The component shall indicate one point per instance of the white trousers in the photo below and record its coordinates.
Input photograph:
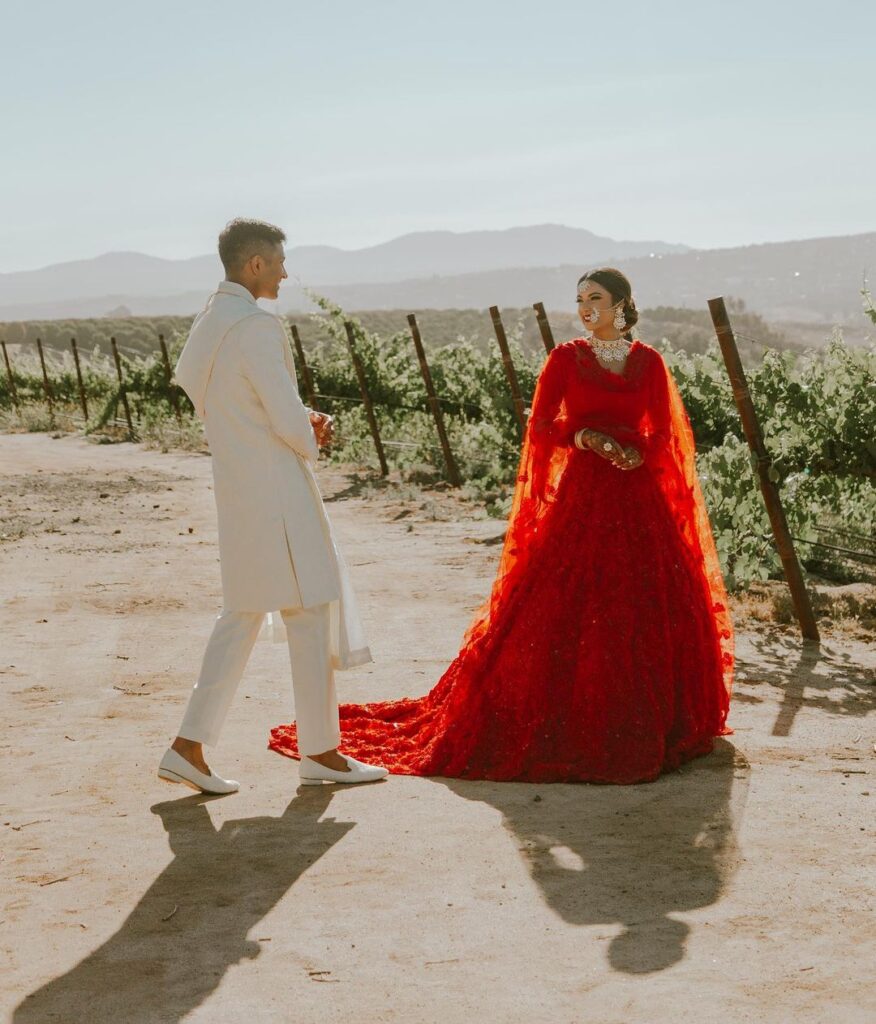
(313, 681)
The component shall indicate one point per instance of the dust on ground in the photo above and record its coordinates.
(738, 888)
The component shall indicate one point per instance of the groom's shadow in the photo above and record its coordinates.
(192, 923)
(629, 855)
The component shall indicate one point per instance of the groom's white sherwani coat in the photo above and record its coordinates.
(276, 545)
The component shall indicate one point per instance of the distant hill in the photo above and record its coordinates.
(93, 287)
(813, 281)
(817, 280)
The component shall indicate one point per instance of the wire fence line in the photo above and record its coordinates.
(123, 393)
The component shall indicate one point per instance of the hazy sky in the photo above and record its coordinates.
(147, 126)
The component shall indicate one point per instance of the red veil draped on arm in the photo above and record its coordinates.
(671, 451)
(666, 441)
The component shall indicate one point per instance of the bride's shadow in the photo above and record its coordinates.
(629, 855)
(191, 925)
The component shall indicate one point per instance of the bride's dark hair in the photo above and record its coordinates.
(618, 287)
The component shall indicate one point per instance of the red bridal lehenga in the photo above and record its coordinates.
(605, 650)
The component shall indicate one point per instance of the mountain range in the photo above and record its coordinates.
(816, 280)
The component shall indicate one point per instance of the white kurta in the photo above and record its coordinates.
(276, 546)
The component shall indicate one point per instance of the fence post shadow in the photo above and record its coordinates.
(809, 675)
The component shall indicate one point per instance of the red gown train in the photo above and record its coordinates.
(605, 650)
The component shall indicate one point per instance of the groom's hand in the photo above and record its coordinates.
(323, 427)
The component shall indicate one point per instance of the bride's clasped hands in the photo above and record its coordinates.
(608, 448)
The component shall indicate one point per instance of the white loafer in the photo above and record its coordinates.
(312, 773)
(175, 768)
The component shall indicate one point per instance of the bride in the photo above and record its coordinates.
(604, 652)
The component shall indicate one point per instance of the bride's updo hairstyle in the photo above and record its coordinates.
(618, 287)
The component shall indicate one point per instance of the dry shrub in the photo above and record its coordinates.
(848, 608)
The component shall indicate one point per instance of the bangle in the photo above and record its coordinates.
(581, 436)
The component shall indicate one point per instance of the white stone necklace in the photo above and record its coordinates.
(613, 350)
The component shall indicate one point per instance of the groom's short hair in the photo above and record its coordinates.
(242, 239)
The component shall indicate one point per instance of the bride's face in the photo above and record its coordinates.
(595, 305)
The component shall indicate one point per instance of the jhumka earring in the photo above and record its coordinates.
(620, 321)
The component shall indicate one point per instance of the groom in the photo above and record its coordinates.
(276, 549)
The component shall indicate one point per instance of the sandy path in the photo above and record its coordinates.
(735, 890)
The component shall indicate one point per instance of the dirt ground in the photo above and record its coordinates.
(738, 889)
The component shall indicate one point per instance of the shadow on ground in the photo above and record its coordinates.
(164, 962)
(630, 855)
(809, 675)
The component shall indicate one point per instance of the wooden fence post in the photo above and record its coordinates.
(168, 376)
(547, 335)
(305, 369)
(82, 400)
(122, 392)
(46, 385)
(754, 436)
(366, 397)
(452, 470)
(510, 372)
(9, 374)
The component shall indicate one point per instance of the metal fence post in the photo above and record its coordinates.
(46, 385)
(9, 374)
(82, 399)
(310, 390)
(122, 391)
(510, 372)
(544, 327)
(366, 397)
(168, 374)
(452, 470)
(754, 436)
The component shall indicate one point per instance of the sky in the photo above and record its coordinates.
(147, 126)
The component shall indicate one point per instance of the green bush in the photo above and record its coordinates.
(817, 410)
